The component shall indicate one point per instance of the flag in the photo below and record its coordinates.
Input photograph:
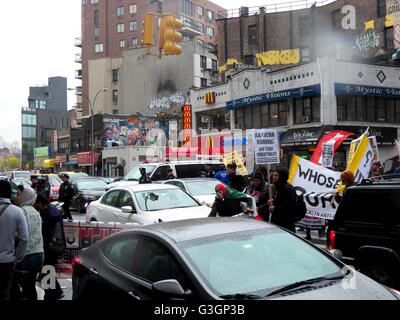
(361, 162)
(335, 137)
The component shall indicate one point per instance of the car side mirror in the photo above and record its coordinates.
(128, 209)
(170, 287)
(336, 253)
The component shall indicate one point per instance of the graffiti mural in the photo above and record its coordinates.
(165, 102)
(132, 131)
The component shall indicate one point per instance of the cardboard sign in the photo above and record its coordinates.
(234, 157)
(266, 146)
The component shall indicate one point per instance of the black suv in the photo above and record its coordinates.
(366, 230)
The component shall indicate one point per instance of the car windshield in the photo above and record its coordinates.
(134, 174)
(92, 185)
(164, 199)
(205, 187)
(262, 260)
(22, 175)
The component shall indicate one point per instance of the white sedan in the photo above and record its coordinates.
(145, 204)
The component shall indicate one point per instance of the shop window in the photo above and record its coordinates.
(239, 118)
(265, 115)
(360, 106)
(298, 110)
(283, 113)
(390, 110)
(371, 109)
(380, 110)
(316, 109)
(398, 110)
(274, 114)
(248, 117)
(351, 109)
(257, 117)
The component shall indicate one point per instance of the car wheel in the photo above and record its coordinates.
(382, 274)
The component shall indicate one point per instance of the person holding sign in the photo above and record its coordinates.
(228, 202)
(283, 204)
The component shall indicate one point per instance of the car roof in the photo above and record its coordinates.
(192, 179)
(185, 230)
(147, 187)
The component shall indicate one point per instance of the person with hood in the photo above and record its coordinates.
(283, 203)
(28, 269)
(144, 177)
(228, 202)
(259, 191)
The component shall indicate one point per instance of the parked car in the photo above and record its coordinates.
(74, 175)
(366, 229)
(203, 189)
(87, 189)
(145, 204)
(22, 177)
(158, 171)
(215, 259)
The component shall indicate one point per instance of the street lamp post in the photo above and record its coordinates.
(92, 116)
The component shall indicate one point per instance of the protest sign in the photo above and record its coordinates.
(374, 147)
(327, 154)
(228, 158)
(266, 146)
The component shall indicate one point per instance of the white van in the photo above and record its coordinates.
(158, 171)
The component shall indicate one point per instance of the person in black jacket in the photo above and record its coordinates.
(50, 216)
(228, 202)
(144, 178)
(65, 195)
(236, 181)
(43, 186)
(259, 191)
(283, 204)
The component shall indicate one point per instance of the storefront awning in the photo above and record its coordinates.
(302, 137)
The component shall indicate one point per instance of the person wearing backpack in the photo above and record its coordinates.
(53, 239)
(283, 203)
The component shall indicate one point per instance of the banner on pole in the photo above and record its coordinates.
(266, 146)
(234, 157)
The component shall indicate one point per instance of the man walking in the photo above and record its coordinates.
(12, 223)
(65, 195)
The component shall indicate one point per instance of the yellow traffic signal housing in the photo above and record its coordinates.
(148, 31)
(170, 35)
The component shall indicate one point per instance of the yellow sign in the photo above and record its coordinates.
(231, 157)
(276, 57)
(230, 62)
(369, 25)
(389, 22)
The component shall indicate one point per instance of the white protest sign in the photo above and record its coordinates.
(374, 146)
(328, 150)
(266, 146)
(317, 185)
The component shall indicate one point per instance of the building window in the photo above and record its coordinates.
(132, 25)
(115, 75)
(304, 26)
(253, 38)
(307, 110)
(199, 27)
(249, 60)
(134, 42)
(203, 82)
(94, 1)
(120, 28)
(305, 55)
(98, 47)
(96, 32)
(200, 11)
(210, 15)
(389, 41)
(187, 22)
(115, 97)
(210, 32)
(337, 19)
(122, 43)
(203, 62)
(187, 7)
(96, 17)
(381, 8)
(371, 109)
(214, 65)
(133, 8)
(120, 11)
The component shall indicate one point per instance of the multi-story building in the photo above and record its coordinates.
(111, 27)
(46, 113)
(362, 33)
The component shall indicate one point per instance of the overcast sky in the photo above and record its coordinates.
(37, 42)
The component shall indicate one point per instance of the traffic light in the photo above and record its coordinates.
(170, 35)
(147, 33)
